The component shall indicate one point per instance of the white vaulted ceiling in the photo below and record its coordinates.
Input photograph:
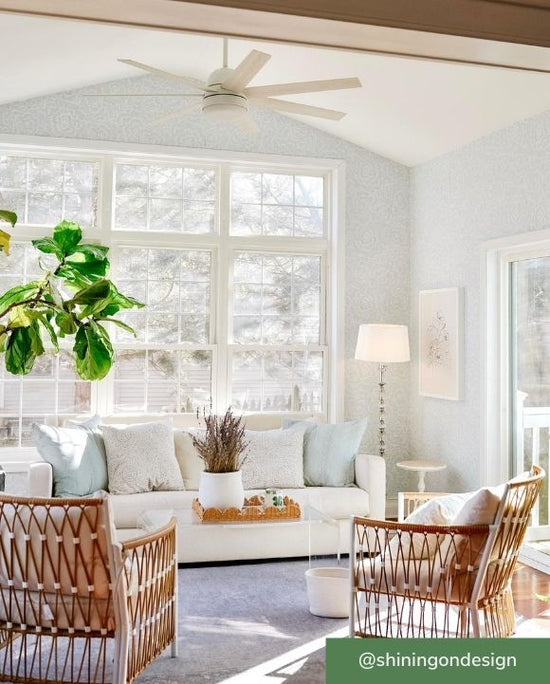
(409, 110)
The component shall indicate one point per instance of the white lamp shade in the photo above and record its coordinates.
(383, 343)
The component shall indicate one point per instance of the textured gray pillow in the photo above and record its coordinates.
(141, 458)
(274, 458)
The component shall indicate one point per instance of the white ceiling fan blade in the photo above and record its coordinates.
(303, 87)
(246, 71)
(179, 112)
(143, 95)
(297, 108)
(187, 80)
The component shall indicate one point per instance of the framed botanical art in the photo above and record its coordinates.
(440, 343)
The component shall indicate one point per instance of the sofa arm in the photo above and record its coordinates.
(40, 482)
(370, 475)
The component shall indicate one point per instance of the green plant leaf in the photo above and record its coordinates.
(36, 339)
(5, 242)
(66, 323)
(94, 352)
(120, 301)
(42, 318)
(47, 246)
(11, 218)
(89, 271)
(18, 294)
(66, 236)
(95, 252)
(20, 351)
(120, 324)
(97, 292)
(21, 317)
(8, 217)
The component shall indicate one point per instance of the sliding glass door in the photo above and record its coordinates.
(529, 378)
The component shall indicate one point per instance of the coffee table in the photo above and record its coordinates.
(311, 516)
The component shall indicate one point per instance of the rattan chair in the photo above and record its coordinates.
(412, 580)
(74, 605)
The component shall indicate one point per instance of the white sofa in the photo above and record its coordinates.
(213, 542)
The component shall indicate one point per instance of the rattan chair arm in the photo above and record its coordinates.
(149, 538)
(150, 572)
(392, 526)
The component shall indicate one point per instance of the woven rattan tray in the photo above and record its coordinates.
(252, 511)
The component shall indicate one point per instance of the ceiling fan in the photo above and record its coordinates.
(226, 95)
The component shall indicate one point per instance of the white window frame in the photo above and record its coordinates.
(331, 246)
(495, 342)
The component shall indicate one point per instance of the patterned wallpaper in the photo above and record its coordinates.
(377, 212)
(494, 187)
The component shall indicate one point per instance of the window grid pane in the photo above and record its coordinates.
(44, 191)
(276, 299)
(277, 381)
(52, 387)
(277, 204)
(165, 198)
(175, 285)
(162, 381)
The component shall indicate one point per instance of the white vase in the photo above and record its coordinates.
(221, 490)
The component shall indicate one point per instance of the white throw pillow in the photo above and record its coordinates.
(274, 458)
(438, 511)
(441, 510)
(190, 463)
(480, 507)
(141, 458)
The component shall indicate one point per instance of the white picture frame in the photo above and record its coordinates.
(440, 343)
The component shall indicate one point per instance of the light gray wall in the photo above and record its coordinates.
(496, 186)
(377, 212)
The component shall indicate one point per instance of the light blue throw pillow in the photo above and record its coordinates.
(77, 457)
(329, 451)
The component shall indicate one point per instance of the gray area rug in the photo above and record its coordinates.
(236, 618)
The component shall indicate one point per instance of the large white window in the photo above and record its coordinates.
(235, 260)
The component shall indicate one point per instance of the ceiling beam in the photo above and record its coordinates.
(209, 17)
(519, 21)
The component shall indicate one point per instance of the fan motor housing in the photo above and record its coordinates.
(224, 105)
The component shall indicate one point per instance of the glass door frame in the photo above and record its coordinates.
(497, 445)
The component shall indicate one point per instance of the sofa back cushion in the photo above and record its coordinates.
(273, 458)
(76, 455)
(329, 451)
(141, 458)
(190, 463)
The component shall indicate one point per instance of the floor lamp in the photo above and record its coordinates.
(383, 344)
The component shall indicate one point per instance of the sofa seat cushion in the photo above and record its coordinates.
(336, 502)
(128, 507)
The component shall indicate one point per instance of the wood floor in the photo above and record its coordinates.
(533, 614)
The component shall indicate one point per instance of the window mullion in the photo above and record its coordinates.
(222, 295)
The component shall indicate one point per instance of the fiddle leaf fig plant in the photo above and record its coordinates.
(11, 218)
(75, 298)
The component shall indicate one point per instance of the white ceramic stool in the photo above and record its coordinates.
(421, 467)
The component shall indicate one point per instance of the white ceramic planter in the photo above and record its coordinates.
(221, 490)
(328, 591)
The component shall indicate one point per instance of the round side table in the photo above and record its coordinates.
(421, 467)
